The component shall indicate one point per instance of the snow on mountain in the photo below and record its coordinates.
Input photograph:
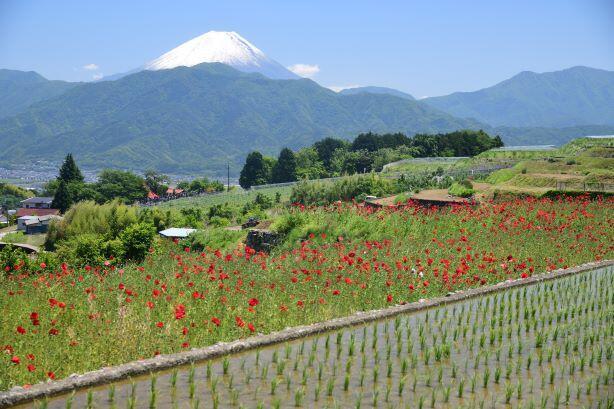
(222, 47)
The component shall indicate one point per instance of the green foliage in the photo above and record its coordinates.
(156, 181)
(91, 233)
(61, 199)
(202, 185)
(371, 151)
(284, 169)
(344, 189)
(225, 211)
(11, 256)
(122, 185)
(15, 260)
(254, 171)
(326, 147)
(462, 189)
(84, 249)
(15, 237)
(308, 164)
(346, 162)
(213, 238)
(137, 239)
(11, 195)
(69, 171)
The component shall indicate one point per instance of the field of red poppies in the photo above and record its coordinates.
(335, 261)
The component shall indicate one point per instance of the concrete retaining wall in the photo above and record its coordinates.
(108, 375)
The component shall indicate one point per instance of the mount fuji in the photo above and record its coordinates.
(226, 47)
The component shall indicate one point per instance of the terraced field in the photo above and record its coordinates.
(548, 345)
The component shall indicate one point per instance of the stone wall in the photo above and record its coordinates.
(262, 240)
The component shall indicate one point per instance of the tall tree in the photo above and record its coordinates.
(156, 182)
(326, 147)
(285, 168)
(122, 185)
(62, 199)
(69, 171)
(254, 171)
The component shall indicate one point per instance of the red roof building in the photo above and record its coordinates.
(152, 196)
(173, 191)
(36, 212)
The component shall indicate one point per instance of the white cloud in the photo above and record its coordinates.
(97, 76)
(338, 88)
(305, 70)
(90, 67)
(424, 96)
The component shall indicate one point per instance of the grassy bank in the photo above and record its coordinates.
(335, 261)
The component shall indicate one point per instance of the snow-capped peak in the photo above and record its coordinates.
(222, 47)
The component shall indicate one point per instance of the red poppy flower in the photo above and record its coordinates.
(160, 324)
(251, 327)
(216, 321)
(180, 312)
(15, 360)
(31, 368)
(21, 330)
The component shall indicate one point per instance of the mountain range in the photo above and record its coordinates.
(20, 89)
(376, 90)
(197, 118)
(571, 97)
(214, 98)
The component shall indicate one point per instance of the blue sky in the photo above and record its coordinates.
(425, 48)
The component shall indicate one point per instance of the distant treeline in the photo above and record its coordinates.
(70, 188)
(369, 151)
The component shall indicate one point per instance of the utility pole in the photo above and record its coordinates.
(228, 180)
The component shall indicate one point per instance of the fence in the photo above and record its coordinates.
(586, 187)
(442, 159)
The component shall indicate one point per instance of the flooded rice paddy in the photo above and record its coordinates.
(548, 345)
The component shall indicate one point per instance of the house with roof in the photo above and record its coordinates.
(176, 233)
(35, 224)
(174, 191)
(37, 206)
(37, 203)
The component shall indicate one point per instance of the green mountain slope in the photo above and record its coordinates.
(575, 96)
(548, 136)
(376, 90)
(19, 90)
(197, 119)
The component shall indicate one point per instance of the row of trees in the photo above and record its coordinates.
(70, 186)
(112, 184)
(368, 151)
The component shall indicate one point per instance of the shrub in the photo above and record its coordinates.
(137, 240)
(221, 210)
(212, 238)
(16, 237)
(84, 249)
(11, 257)
(461, 189)
(344, 189)
(218, 221)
